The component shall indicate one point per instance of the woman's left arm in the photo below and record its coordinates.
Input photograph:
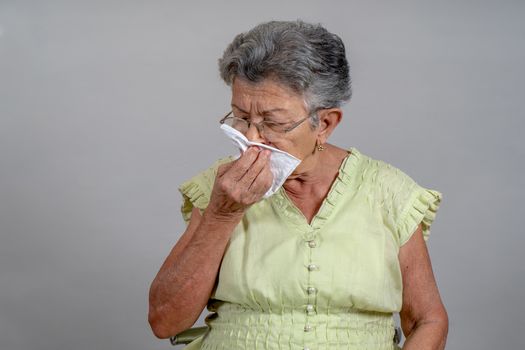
(424, 319)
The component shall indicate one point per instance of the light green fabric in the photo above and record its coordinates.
(348, 254)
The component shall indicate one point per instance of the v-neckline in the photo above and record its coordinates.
(295, 215)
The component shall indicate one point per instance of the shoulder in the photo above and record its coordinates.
(403, 201)
(382, 174)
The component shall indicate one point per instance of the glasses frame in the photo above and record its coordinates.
(260, 127)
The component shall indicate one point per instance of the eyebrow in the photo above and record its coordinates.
(263, 112)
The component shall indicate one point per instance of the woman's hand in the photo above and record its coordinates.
(240, 183)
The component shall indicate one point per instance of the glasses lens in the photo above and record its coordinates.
(269, 131)
(237, 123)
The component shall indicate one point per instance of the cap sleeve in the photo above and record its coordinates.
(416, 205)
(421, 208)
(196, 191)
(406, 204)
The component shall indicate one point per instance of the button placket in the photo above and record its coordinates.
(311, 242)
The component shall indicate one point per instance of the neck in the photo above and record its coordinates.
(316, 173)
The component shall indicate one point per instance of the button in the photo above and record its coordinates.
(309, 308)
(312, 244)
(308, 328)
(311, 290)
(312, 267)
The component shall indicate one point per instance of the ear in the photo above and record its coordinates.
(328, 121)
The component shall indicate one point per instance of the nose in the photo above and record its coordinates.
(254, 135)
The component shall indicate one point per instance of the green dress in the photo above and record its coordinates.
(331, 284)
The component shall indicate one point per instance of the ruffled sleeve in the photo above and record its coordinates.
(421, 207)
(407, 203)
(196, 191)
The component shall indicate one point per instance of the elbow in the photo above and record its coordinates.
(168, 319)
(439, 320)
(158, 326)
(440, 323)
(444, 321)
(436, 319)
(158, 330)
(163, 328)
(157, 316)
(441, 317)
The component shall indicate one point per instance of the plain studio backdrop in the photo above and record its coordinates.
(107, 106)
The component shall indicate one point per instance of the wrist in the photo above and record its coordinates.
(216, 216)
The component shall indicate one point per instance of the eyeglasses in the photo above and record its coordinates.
(268, 129)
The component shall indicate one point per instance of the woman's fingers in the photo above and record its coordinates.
(259, 187)
(265, 178)
(251, 174)
(241, 165)
(242, 182)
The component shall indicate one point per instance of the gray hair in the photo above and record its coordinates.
(304, 57)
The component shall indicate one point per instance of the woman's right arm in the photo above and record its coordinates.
(185, 281)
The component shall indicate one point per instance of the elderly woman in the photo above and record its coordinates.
(325, 261)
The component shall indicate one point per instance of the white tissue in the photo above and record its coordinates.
(281, 163)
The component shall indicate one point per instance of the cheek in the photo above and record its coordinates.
(300, 147)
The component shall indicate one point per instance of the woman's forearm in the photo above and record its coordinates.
(428, 335)
(185, 281)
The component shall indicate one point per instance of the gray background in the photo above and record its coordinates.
(107, 106)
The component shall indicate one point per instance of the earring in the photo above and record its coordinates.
(320, 148)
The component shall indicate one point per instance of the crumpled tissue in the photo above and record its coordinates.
(282, 164)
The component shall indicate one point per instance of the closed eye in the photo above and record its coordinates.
(267, 122)
(243, 118)
(272, 123)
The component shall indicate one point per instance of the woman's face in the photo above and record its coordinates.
(269, 100)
